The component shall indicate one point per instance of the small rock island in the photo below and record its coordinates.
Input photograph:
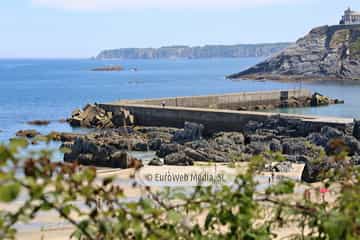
(108, 69)
(326, 53)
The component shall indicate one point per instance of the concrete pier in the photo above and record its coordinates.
(232, 101)
(215, 111)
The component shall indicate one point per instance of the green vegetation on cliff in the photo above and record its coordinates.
(208, 51)
(326, 53)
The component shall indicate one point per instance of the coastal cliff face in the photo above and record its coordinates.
(326, 53)
(208, 51)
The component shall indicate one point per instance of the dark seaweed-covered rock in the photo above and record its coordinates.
(39, 122)
(166, 149)
(179, 159)
(318, 139)
(317, 170)
(279, 167)
(191, 132)
(63, 136)
(156, 162)
(155, 144)
(356, 129)
(31, 133)
(295, 146)
(275, 145)
(347, 144)
(256, 148)
(104, 149)
(196, 155)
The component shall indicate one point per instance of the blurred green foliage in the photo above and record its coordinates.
(233, 211)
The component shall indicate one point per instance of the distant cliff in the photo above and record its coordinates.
(326, 53)
(208, 51)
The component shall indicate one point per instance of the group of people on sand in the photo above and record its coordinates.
(321, 192)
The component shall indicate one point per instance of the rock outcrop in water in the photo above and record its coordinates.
(208, 51)
(108, 69)
(326, 53)
(92, 116)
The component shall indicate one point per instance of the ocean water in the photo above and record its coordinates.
(51, 89)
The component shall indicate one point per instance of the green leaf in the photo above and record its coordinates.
(174, 216)
(67, 209)
(335, 226)
(208, 220)
(16, 143)
(90, 174)
(283, 187)
(9, 192)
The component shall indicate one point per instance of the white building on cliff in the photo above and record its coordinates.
(350, 17)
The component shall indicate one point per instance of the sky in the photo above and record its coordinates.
(82, 28)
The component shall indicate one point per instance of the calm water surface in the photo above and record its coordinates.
(51, 89)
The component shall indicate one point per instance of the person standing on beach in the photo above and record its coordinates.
(163, 103)
(272, 176)
(323, 191)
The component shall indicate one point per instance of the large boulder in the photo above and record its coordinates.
(318, 170)
(104, 149)
(31, 133)
(123, 160)
(319, 100)
(330, 132)
(356, 129)
(346, 144)
(156, 162)
(257, 148)
(191, 132)
(227, 142)
(93, 116)
(166, 149)
(179, 159)
(275, 145)
(284, 166)
(196, 155)
(295, 146)
(63, 136)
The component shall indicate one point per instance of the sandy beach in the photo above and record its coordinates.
(50, 226)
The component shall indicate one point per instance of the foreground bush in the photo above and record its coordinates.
(236, 211)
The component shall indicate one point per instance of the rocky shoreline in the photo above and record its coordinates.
(326, 53)
(281, 141)
(285, 138)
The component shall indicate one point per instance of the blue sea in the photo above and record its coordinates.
(51, 89)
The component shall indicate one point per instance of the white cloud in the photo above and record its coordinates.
(141, 4)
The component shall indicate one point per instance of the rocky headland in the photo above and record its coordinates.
(326, 53)
(208, 51)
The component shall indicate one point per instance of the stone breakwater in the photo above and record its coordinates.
(243, 101)
(183, 135)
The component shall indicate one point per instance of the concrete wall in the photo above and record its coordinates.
(202, 110)
(216, 120)
(232, 101)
